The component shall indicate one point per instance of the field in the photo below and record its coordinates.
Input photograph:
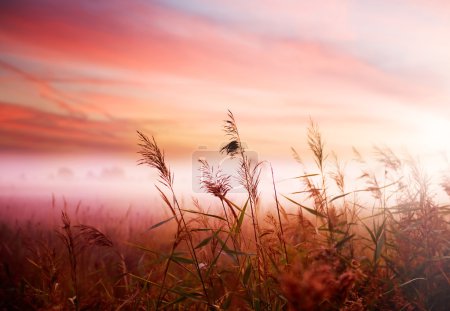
(384, 245)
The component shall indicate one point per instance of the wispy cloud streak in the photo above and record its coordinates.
(90, 73)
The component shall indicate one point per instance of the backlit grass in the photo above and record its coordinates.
(320, 248)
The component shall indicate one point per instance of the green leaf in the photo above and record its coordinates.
(204, 242)
(257, 304)
(327, 229)
(300, 192)
(372, 236)
(142, 248)
(191, 295)
(340, 196)
(204, 214)
(379, 248)
(181, 259)
(179, 299)
(266, 232)
(305, 176)
(230, 203)
(159, 224)
(341, 243)
(380, 229)
(216, 257)
(247, 273)
(370, 216)
(312, 211)
(235, 252)
(200, 229)
(227, 302)
(230, 252)
(238, 225)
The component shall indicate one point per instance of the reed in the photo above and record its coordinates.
(321, 247)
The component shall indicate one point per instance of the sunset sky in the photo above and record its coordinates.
(78, 78)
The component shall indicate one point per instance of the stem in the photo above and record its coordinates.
(191, 246)
(283, 242)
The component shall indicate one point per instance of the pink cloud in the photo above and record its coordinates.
(190, 67)
(188, 45)
(23, 128)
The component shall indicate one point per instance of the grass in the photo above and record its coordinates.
(332, 253)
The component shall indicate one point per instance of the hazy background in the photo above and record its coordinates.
(78, 78)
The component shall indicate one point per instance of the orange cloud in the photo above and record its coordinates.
(113, 67)
(30, 129)
(191, 46)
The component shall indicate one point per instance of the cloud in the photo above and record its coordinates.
(288, 18)
(182, 40)
(106, 68)
(30, 129)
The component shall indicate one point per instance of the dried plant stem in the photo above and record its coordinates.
(166, 268)
(191, 246)
(248, 180)
(69, 241)
(154, 157)
(282, 239)
(316, 144)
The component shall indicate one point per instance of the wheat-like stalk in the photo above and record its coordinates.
(153, 156)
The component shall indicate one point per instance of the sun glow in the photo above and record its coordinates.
(433, 134)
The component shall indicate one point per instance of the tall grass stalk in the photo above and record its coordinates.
(69, 241)
(383, 245)
(154, 157)
(249, 178)
(281, 234)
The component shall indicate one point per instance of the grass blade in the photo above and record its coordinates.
(308, 209)
(160, 224)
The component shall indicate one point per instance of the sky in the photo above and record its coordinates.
(78, 78)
